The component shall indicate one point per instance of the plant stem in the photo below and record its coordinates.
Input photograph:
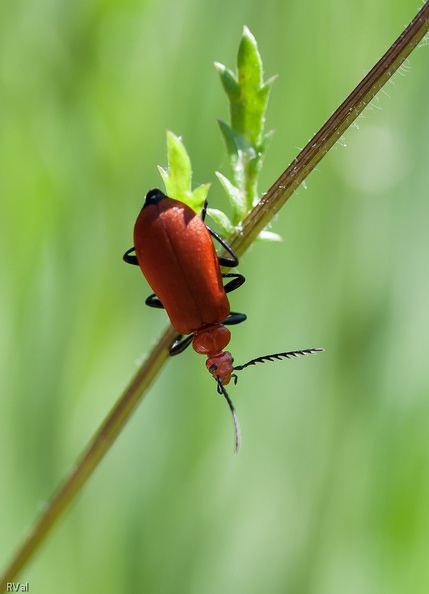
(255, 222)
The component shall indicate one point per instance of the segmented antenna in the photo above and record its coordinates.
(222, 391)
(279, 356)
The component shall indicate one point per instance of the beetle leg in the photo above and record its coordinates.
(229, 262)
(130, 259)
(180, 344)
(204, 211)
(234, 318)
(153, 301)
(238, 280)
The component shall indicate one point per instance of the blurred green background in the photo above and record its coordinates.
(330, 492)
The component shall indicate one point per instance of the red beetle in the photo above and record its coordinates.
(175, 251)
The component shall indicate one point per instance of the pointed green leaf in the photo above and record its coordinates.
(249, 65)
(236, 198)
(229, 80)
(229, 137)
(164, 175)
(266, 140)
(198, 196)
(247, 112)
(179, 168)
(269, 236)
(178, 176)
(222, 220)
(245, 139)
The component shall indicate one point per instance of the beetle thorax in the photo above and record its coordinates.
(211, 340)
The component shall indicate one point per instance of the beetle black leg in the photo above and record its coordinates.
(180, 344)
(153, 301)
(229, 262)
(234, 318)
(204, 211)
(238, 280)
(130, 259)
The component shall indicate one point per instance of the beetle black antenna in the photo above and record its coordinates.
(279, 356)
(222, 391)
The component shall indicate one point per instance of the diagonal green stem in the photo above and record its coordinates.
(255, 221)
